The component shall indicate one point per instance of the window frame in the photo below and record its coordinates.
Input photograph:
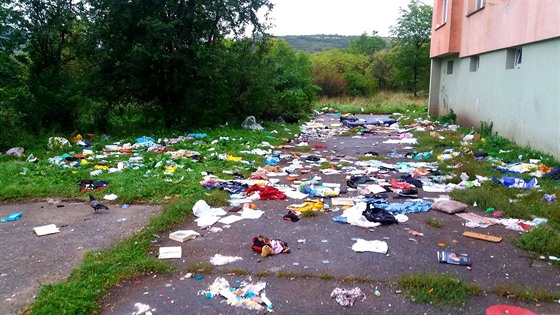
(449, 68)
(474, 6)
(474, 63)
(518, 58)
(444, 6)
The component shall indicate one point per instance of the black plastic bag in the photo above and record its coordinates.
(379, 215)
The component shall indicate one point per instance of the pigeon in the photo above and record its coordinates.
(96, 205)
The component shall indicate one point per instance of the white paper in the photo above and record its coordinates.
(375, 246)
(46, 229)
(230, 219)
(251, 214)
(183, 235)
(170, 252)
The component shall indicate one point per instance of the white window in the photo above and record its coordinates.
(518, 58)
(444, 12)
(514, 58)
(479, 4)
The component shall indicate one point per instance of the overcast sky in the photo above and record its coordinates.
(349, 17)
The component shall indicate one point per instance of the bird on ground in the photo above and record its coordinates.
(96, 205)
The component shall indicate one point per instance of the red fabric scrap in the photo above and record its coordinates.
(266, 192)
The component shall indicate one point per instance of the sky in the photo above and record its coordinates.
(348, 17)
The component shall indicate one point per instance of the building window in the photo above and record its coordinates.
(479, 4)
(518, 58)
(475, 5)
(475, 63)
(514, 58)
(443, 12)
(450, 67)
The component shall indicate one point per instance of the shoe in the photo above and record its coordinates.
(351, 184)
(409, 192)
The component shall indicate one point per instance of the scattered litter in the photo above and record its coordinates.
(342, 201)
(267, 247)
(46, 229)
(220, 260)
(183, 235)
(251, 123)
(12, 217)
(143, 309)
(513, 182)
(453, 258)
(347, 298)
(484, 237)
(449, 206)
(249, 295)
(110, 197)
(375, 246)
(170, 252)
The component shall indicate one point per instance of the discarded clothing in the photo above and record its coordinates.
(475, 220)
(268, 247)
(266, 192)
(88, 184)
(347, 298)
(513, 182)
(407, 207)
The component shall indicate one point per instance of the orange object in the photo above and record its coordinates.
(125, 151)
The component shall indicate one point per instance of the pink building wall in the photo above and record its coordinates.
(500, 24)
(446, 38)
(506, 23)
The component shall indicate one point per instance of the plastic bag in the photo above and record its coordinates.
(251, 123)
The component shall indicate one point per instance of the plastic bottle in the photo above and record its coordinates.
(12, 217)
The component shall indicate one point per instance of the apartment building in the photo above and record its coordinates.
(498, 61)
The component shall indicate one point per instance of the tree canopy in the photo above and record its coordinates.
(412, 45)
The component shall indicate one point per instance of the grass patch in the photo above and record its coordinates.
(261, 274)
(541, 240)
(100, 270)
(325, 276)
(237, 271)
(217, 198)
(434, 223)
(381, 103)
(201, 268)
(439, 289)
(310, 213)
(519, 292)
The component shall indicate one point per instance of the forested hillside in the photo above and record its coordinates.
(318, 43)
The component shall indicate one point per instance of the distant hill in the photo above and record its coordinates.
(318, 43)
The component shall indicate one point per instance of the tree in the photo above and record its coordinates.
(412, 45)
(382, 70)
(169, 53)
(366, 45)
(340, 73)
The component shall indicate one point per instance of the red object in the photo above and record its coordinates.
(400, 185)
(508, 310)
(267, 192)
(318, 146)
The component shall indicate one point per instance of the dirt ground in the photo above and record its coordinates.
(28, 260)
(322, 247)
